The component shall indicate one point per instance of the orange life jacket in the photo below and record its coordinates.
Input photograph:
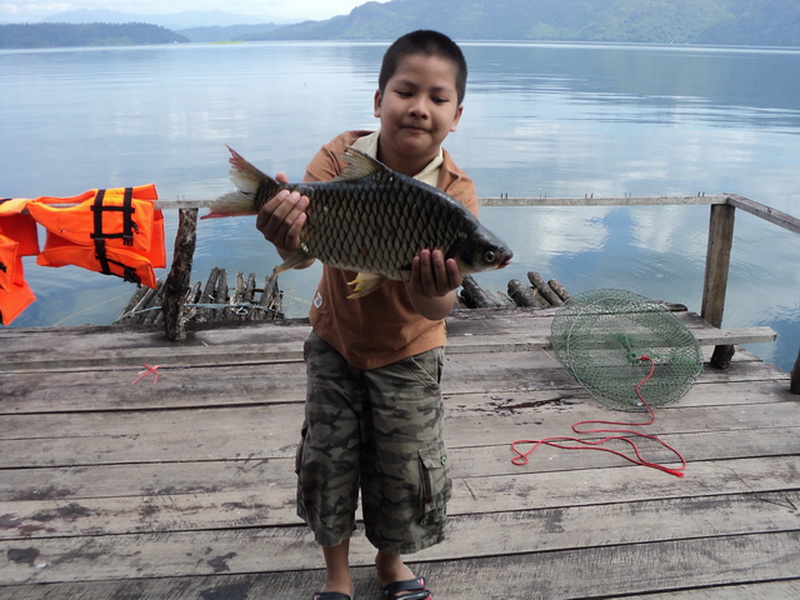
(15, 293)
(18, 238)
(116, 232)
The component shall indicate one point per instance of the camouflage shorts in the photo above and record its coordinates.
(381, 431)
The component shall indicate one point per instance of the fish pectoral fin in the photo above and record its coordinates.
(290, 263)
(359, 165)
(365, 283)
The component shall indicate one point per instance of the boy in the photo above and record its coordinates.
(374, 406)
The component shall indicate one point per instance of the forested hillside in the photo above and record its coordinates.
(719, 22)
(54, 35)
(748, 22)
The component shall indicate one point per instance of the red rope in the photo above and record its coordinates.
(555, 442)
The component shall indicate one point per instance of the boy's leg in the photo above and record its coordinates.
(337, 568)
(328, 459)
(405, 482)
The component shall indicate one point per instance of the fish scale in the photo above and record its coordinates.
(371, 220)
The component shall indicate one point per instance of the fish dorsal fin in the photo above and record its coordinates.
(359, 165)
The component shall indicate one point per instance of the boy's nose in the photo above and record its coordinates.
(419, 109)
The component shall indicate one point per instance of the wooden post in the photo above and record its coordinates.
(718, 260)
(794, 385)
(545, 290)
(524, 295)
(475, 296)
(179, 276)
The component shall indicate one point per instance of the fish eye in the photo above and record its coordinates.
(489, 256)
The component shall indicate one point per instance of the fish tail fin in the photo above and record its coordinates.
(231, 205)
(249, 181)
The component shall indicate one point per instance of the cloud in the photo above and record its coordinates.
(270, 10)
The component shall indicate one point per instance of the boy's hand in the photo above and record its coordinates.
(433, 284)
(282, 217)
(433, 276)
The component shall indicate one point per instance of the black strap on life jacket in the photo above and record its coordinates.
(100, 237)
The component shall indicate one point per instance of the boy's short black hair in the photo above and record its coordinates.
(427, 43)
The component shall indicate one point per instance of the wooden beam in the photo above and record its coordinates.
(767, 213)
(591, 200)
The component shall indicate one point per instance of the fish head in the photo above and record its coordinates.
(480, 251)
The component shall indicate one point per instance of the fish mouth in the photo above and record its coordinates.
(505, 260)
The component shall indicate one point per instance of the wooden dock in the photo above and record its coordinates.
(184, 487)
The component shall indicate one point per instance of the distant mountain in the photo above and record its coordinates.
(719, 22)
(180, 20)
(58, 35)
(732, 22)
(229, 33)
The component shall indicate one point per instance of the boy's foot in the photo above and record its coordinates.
(397, 581)
(411, 589)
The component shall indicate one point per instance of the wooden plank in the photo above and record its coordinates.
(288, 548)
(291, 351)
(260, 505)
(487, 468)
(301, 584)
(276, 340)
(767, 590)
(560, 407)
(76, 438)
(100, 388)
(542, 382)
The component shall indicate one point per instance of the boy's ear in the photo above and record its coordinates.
(377, 104)
(457, 118)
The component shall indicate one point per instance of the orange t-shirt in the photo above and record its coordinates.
(381, 327)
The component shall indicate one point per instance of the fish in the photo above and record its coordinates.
(370, 220)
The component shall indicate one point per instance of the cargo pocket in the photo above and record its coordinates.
(435, 483)
(426, 369)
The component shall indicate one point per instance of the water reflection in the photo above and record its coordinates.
(546, 119)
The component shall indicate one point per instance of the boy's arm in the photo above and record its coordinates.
(433, 284)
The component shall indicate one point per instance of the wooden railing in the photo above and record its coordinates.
(720, 243)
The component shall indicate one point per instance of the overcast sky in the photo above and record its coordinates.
(269, 10)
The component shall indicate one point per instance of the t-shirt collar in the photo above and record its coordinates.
(368, 144)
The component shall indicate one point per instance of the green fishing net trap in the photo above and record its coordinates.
(600, 337)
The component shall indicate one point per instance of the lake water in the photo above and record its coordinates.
(539, 119)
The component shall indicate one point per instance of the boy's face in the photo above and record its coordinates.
(418, 108)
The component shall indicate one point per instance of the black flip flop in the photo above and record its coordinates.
(412, 589)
